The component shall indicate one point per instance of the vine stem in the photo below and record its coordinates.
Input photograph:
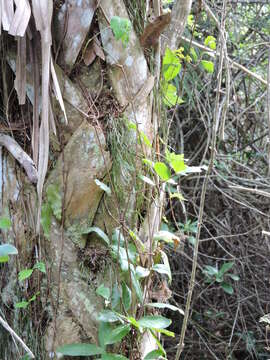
(180, 345)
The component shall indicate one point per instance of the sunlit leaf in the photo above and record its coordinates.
(166, 306)
(4, 259)
(170, 65)
(162, 170)
(177, 195)
(154, 321)
(103, 187)
(80, 350)
(170, 96)
(208, 66)
(5, 223)
(142, 272)
(40, 266)
(21, 305)
(211, 42)
(165, 332)
(121, 28)
(25, 274)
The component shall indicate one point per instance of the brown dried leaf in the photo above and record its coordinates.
(98, 49)
(153, 30)
(21, 18)
(90, 54)
(43, 15)
(20, 81)
(57, 91)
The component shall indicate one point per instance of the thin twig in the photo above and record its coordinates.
(12, 333)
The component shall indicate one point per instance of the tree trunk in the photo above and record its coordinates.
(89, 148)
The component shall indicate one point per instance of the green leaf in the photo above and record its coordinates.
(136, 286)
(104, 292)
(227, 288)
(141, 272)
(210, 270)
(116, 296)
(117, 237)
(55, 200)
(46, 219)
(40, 266)
(170, 65)
(165, 332)
(121, 28)
(104, 331)
(80, 350)
(99, 232)
(134, 322)
(154, 321)
(162, 170)
(177, 195)
(226, 267)
(126, 296)
(110, 356)
(117, 334)
(166, 236)
(166, 306)
(193, 54)
(7, 249)
(170, 96)
(33, 298)
(147, 180)
(25, 274)
(5, 223)
(234, 277)
(155, 354)
(176, 161)
(4, 259)
(21, 305)
(167, 264)
(161, 269)
(211, 42)
(108, 316)
(103, 187)
(148, 162)
(25, 357)
(208, 66)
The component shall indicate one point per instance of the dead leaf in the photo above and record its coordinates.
(98, 50)
(20, 80)
(7, 13)
(21, 18)
(90, 54)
